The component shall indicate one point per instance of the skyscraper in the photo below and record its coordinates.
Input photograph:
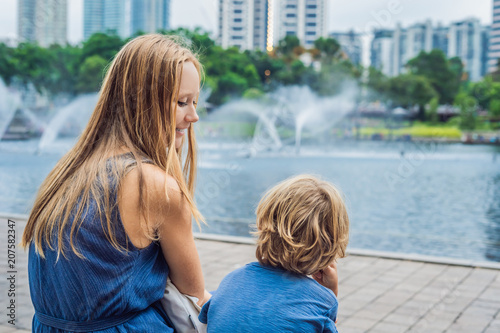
(245, 24)
(42, 21)
(108, 16)
(494, 55)
(351, 45)
(408, 43)
(305, 19)
(150, 15)
(382, 51)
(465, 43)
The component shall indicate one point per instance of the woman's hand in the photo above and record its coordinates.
(328, 278)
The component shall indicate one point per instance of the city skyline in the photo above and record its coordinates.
(375, 14)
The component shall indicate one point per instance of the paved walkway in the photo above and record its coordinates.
(376, 294)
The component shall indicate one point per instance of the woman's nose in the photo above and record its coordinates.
(192, 115)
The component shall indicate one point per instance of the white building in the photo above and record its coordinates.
(494, 47)
(408, 43)
(351, 45)
(43, 21)
(465, 42)
(108, 16)
(305, 19)
(382, 51)
(245, 24)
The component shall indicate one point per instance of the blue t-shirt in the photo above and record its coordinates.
(257, 298)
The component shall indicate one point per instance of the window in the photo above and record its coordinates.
(290, 33)
(237, 11)
(290, 15)
(237, 2)
(310, 33)
(291, 6)
(237, 20)
(311, 24)
(237, 28)
(311, 15)
(311, 6)
(237, 37)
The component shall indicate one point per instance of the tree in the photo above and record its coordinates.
(435, 67)
(91, 74)
(102, 45)
(33, 64)
(468, 106)
(433, 111)
(288, 46)
(7, 70)
(328, 49)
(408, 90)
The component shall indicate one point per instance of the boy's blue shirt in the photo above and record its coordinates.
(257, 298)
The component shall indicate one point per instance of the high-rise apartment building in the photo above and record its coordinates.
(351, 45)
(382, 51)
(150, 15)
(125, 17)
(494, 40)
(466, 39)
(465, 43)
(108, 16)
(245, 24)
(305, 19)
(408, 43)
(43, 21)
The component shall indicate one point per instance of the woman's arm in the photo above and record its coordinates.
(172, 220)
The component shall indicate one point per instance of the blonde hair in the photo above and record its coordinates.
(302, 225)
(136, 110)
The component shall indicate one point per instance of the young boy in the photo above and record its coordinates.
(302, 228)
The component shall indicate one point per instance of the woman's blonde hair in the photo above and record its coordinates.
(302, 225)
(136, 111)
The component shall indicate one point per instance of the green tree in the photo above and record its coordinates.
(433, 111)
(34, 64)
(436, 68)
(91, 74)
(494, 109)
(102, 45)
(328, 50)
(7, 70)
(408, 90)
(468, 106)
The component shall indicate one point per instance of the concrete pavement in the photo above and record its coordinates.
(377, 293)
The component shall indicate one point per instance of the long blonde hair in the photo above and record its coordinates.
(136, 109)
(302, 225)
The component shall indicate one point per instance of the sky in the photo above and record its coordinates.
(360, 15)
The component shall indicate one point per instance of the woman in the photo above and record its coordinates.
(117, 208)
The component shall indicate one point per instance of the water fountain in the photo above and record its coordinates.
(10, 101)
(290, 109)
(69, 120)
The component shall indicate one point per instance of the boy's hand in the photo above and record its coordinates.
(328, 278)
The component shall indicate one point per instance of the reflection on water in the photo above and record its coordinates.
(439, 200)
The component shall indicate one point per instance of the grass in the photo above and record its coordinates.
(416, 131)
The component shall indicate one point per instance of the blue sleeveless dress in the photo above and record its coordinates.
(108, 291)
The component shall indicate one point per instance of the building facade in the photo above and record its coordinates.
(150, 16)
(43, 21)
(494, 38)
(351, 44)
(245, 24)
(305, 19)
(107, 16)
(465, 43)
(125, 17)
(382, 50)
(466, 39)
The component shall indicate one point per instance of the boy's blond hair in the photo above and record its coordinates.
(302, 225)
